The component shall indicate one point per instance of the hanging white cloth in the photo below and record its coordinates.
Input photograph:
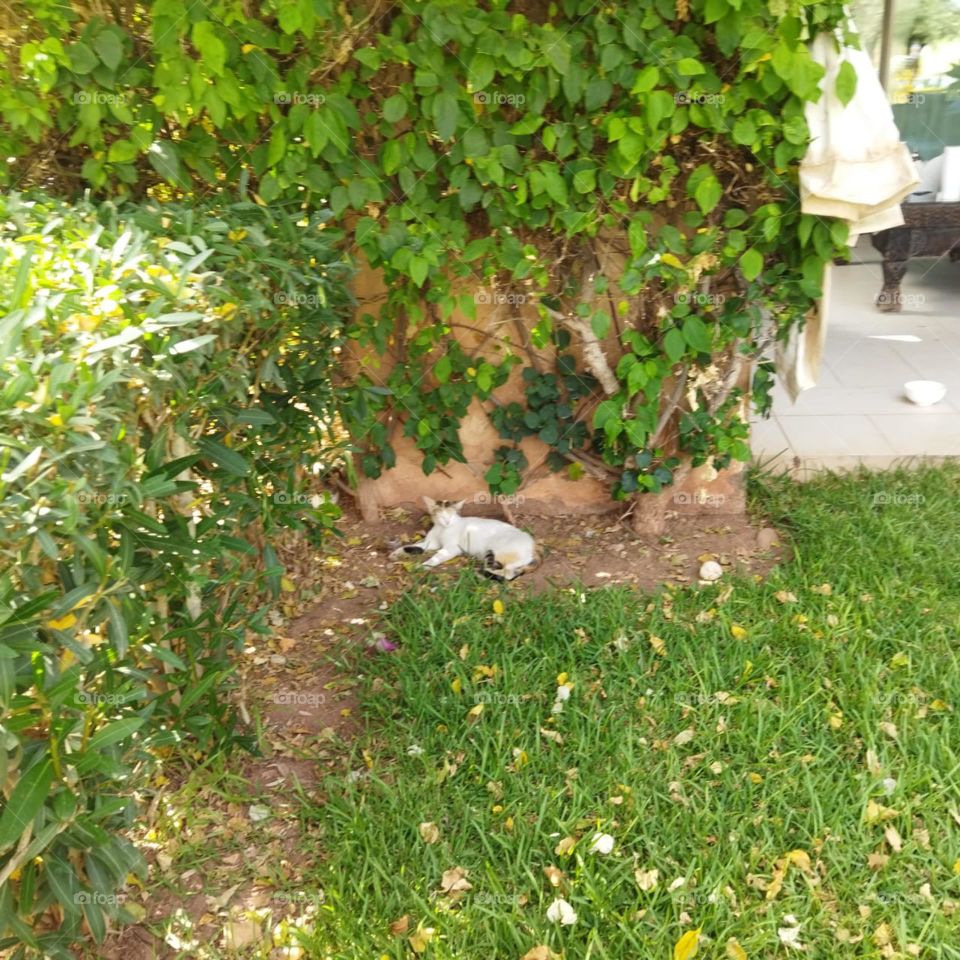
(856, 169)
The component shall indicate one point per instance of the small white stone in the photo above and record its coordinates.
(711, 570)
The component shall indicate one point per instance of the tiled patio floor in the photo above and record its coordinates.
(858, 413)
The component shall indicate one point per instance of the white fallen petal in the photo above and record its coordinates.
(602, 843)
(561, 912)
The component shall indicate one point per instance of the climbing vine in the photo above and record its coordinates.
(604, 194)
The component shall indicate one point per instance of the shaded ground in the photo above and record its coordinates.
(225, 842)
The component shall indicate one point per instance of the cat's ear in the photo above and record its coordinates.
(430, 504)
(458, 506)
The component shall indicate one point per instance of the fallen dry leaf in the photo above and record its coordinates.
(890, 729)
(883, 935)
(553, 874)
(647, 880)
(541, 952)
(893, 838)
(399, 927)
(241, 933)
(684, 737)
(455, 881)
(877, 861)
(790, 936)
(429, 832)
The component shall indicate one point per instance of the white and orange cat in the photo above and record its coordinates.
(505, 550)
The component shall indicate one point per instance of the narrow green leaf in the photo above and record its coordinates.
(28, 795)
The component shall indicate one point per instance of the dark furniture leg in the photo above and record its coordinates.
(889, 299)
(929, 230)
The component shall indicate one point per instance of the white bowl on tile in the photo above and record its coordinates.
(924, 393)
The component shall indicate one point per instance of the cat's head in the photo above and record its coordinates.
(443, 512)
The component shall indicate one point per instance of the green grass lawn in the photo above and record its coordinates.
(810, 711)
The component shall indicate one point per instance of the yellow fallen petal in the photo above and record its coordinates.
(456, 686)
(474, 712)
(498, 607)
(738, 632)
(659, 646)
(687, 945)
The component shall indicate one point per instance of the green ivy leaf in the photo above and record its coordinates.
(657, 107)
(207, 40)
(697, 334)
(585, 181)
(442, 369)
(394, 108)
(688, 67)
(557, 50)
(674, 344)
(446, 112)
(705, 188)
(480, 71)
(751, 263)
(82, 59)
(846, 85)
(109, 49)
(418, 270)
(646, 80)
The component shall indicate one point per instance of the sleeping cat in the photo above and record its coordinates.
(506, 551)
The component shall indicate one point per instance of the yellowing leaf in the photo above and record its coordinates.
(738, 632)
(565, 846)
(956, 867)
(735, 951)
(671, 260)
(899, 660)
(875, 812)
(756, 778)
(498, 607)
(64, 623)
(687, 945)
(419, 940)
(456, 686)
(473, 714)
(659, 647)
(801, 859)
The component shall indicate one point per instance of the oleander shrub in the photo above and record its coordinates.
(166, 409)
